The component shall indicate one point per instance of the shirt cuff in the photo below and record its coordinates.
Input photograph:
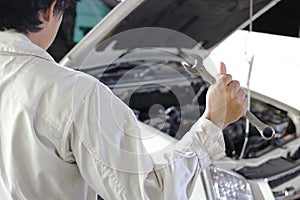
(210, 136)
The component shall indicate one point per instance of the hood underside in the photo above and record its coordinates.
(206, 21)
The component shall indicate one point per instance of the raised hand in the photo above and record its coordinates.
(225, 101)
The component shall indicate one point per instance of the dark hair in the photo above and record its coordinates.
(23, 15)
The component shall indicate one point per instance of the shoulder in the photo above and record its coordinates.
(49, 88)
(53, 72)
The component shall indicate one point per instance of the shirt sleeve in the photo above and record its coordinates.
(106, 143)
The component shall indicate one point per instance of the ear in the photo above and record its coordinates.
(47, 14)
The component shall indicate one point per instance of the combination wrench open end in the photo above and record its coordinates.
(196, 68)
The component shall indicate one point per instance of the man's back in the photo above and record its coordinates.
(38, 101)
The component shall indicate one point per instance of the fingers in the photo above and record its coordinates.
(222, 69)
(225, 109)
(223, 76)
(242, 99)
(241, 96)
(225, 79)
(236, 91)
(234, 87)
(233, 90)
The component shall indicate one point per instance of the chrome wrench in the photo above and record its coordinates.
(267, 132)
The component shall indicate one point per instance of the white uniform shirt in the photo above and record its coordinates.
(64, 135)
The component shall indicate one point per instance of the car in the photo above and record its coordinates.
(142, 49)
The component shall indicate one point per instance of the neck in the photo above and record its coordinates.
(34, 39)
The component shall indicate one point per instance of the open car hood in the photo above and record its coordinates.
(208, 22)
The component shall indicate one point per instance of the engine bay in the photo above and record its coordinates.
(178, 120)
(164, 96)
(162, 107)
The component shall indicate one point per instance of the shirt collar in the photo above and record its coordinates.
(13, 42)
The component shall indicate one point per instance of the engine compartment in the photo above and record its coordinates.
(166, 97)
(160, 108)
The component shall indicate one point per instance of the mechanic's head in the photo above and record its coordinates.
(32, 17)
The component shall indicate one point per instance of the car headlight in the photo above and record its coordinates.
(228, 185)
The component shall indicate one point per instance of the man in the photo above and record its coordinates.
(64, 135)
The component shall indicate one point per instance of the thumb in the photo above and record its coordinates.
(222, 69)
